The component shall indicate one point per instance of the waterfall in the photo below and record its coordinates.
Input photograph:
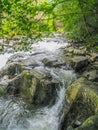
(14, 113)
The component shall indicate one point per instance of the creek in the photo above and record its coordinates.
(15, 114)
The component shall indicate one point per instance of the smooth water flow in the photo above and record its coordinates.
(14, 113)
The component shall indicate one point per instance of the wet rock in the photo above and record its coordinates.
(53, 63)
(81, 100)
(34, 86)
(22, 85)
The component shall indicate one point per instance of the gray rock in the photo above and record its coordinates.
(77, 62)
(92, 75)
(34, 86)
(53, 63)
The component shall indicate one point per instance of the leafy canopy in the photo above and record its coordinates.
(78, 18)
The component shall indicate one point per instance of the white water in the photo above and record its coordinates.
(3, 59)
(15, 116)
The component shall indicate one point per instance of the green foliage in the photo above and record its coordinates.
(81, 21)
(35, 17)
(21, 17)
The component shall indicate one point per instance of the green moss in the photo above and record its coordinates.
(71, 93)
(1, 90)
(82, 101)
(28, 85)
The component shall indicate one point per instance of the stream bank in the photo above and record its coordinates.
(81, 97)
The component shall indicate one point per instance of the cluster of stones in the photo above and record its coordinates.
(81, 97)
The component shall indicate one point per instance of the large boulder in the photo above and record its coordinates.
(81, 101)
(36, 87)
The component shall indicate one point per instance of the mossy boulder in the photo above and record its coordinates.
(34, 86)
(81, 99)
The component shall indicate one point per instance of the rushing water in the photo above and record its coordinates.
(3, 59)
(15, 114)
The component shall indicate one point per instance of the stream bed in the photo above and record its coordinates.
(15, 114)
